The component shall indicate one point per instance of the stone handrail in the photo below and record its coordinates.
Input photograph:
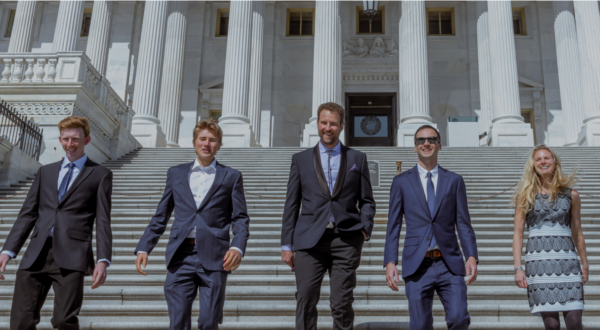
(61, 68)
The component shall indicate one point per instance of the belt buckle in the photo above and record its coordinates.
(435, 254)
(330, 225)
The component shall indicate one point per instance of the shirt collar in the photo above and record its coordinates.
(78, 163)
(423, 172)
(336, 150)
(211, 167)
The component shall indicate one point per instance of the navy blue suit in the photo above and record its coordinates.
(422, 275)
(190, 267)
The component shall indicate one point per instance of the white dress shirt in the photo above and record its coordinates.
(434, 178)
(64, 169)
(200, 179)
(334, 167)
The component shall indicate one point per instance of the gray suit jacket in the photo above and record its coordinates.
(88, 199)
(224, 205)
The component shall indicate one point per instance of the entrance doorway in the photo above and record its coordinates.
(528, 118)
(371, 119)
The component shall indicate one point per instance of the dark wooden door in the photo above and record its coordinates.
(371, 119)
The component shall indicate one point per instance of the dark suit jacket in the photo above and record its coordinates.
(223, 205)
(307, 186)
(88, 199)
(451, 211)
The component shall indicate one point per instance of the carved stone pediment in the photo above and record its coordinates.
(378, 49)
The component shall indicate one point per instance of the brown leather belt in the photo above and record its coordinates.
(191, 241)
(434, 254)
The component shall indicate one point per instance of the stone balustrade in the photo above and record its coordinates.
(50, 86)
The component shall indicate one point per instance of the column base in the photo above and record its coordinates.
(148, 134)
(310, 136)
(406, 133)
(171, 144)
(237, 134)
(589, 136)
(511, 135)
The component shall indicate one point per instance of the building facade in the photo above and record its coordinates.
(495, 73)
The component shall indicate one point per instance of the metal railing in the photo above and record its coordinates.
(22, 133)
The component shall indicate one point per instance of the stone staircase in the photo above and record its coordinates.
(260, 294)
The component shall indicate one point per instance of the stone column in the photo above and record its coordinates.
(256, 59)
(414, 80)
(146, 126)
(169, 110)
(569, 70)
(588, 29)
(23, 25)
(485, 74)
(68, 26)
(234, 121)
(327, 75)
(98, 41)
(508, 128)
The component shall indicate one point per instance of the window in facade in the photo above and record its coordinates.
(370, 25)
(300, 22)
(440, 22)
(11, 21)
(214, 114)
(222, 22)
(87, 21)
(519, 26)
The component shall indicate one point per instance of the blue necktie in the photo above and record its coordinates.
(64, 185)
(330, 182)
(431, 203)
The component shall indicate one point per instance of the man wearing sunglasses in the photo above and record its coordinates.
(433, 201)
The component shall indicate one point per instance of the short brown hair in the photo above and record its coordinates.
(75, 122)
(433, 128)
(333, 107)
(211, 125)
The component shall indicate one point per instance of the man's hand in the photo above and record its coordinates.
(364, 234)
(471, 268)
(288, 258)
(391, 276)
(142, 259)
(4, 259)
(99, 274)
(233, 259)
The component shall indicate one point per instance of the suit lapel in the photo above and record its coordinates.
(415, 182)
(319, 170)
(442, 185)
(339, 182)
(86, 170)
(221, 173)
(185, 182)
(55, 170)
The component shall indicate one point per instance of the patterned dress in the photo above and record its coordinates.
(553, 272)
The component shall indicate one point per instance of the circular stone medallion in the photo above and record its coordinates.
(370, 125)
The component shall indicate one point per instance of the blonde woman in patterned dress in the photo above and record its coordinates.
(546, 202)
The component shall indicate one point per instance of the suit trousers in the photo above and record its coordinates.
(32, 286)
(434, 275)
(185, 276)
(339, 254)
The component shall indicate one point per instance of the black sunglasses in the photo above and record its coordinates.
(432, 140)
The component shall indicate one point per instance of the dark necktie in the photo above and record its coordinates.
(330, 182)
(431, 203)
(64, 185)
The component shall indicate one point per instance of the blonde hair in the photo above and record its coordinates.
(211, 125)
(531, 184)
